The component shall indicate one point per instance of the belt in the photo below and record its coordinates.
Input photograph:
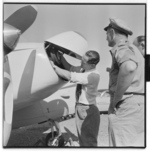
(134, 93)
(82, 104)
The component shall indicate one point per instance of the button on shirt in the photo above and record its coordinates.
(89, 81)
(122, 52)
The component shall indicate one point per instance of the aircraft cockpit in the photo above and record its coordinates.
(69, 43)
(51, 51)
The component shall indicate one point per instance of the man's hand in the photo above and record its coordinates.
(59, 55)
(112, 109)
(62, 73)
(53, 65)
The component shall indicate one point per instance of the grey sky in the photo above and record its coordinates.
(89, 20)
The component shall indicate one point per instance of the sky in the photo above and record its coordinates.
(87, 19)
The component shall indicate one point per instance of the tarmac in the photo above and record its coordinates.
(26, 137)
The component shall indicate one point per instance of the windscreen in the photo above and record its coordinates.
(52, 53)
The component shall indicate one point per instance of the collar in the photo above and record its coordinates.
(121, 42)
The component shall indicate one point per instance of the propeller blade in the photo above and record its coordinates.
(23, 18)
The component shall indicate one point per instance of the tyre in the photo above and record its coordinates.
(53, 141)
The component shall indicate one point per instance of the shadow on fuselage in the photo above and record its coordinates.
(39, 112)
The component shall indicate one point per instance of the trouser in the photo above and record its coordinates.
(126, 125)
(87, 121)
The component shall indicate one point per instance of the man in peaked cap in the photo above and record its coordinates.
(119, 25)
(126, 88)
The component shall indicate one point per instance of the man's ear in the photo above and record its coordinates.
(142, 45)
(112, 33)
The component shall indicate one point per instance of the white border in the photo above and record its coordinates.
(78, 1)
(147, 85)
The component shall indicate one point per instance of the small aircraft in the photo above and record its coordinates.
(33, 92)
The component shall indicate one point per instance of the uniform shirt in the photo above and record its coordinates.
(122, 52)
(89, 81)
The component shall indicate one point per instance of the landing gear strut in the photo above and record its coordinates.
(54, 138)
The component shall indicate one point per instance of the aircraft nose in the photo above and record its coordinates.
(11, 37)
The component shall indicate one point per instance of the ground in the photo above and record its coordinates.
(30, 135)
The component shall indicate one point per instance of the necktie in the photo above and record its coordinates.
(79, 88)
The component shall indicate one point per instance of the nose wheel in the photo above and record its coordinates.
(54, 138)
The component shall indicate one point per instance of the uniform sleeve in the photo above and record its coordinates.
(79, 78)
(125, 54)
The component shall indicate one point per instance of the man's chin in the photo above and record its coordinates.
(110, 45)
